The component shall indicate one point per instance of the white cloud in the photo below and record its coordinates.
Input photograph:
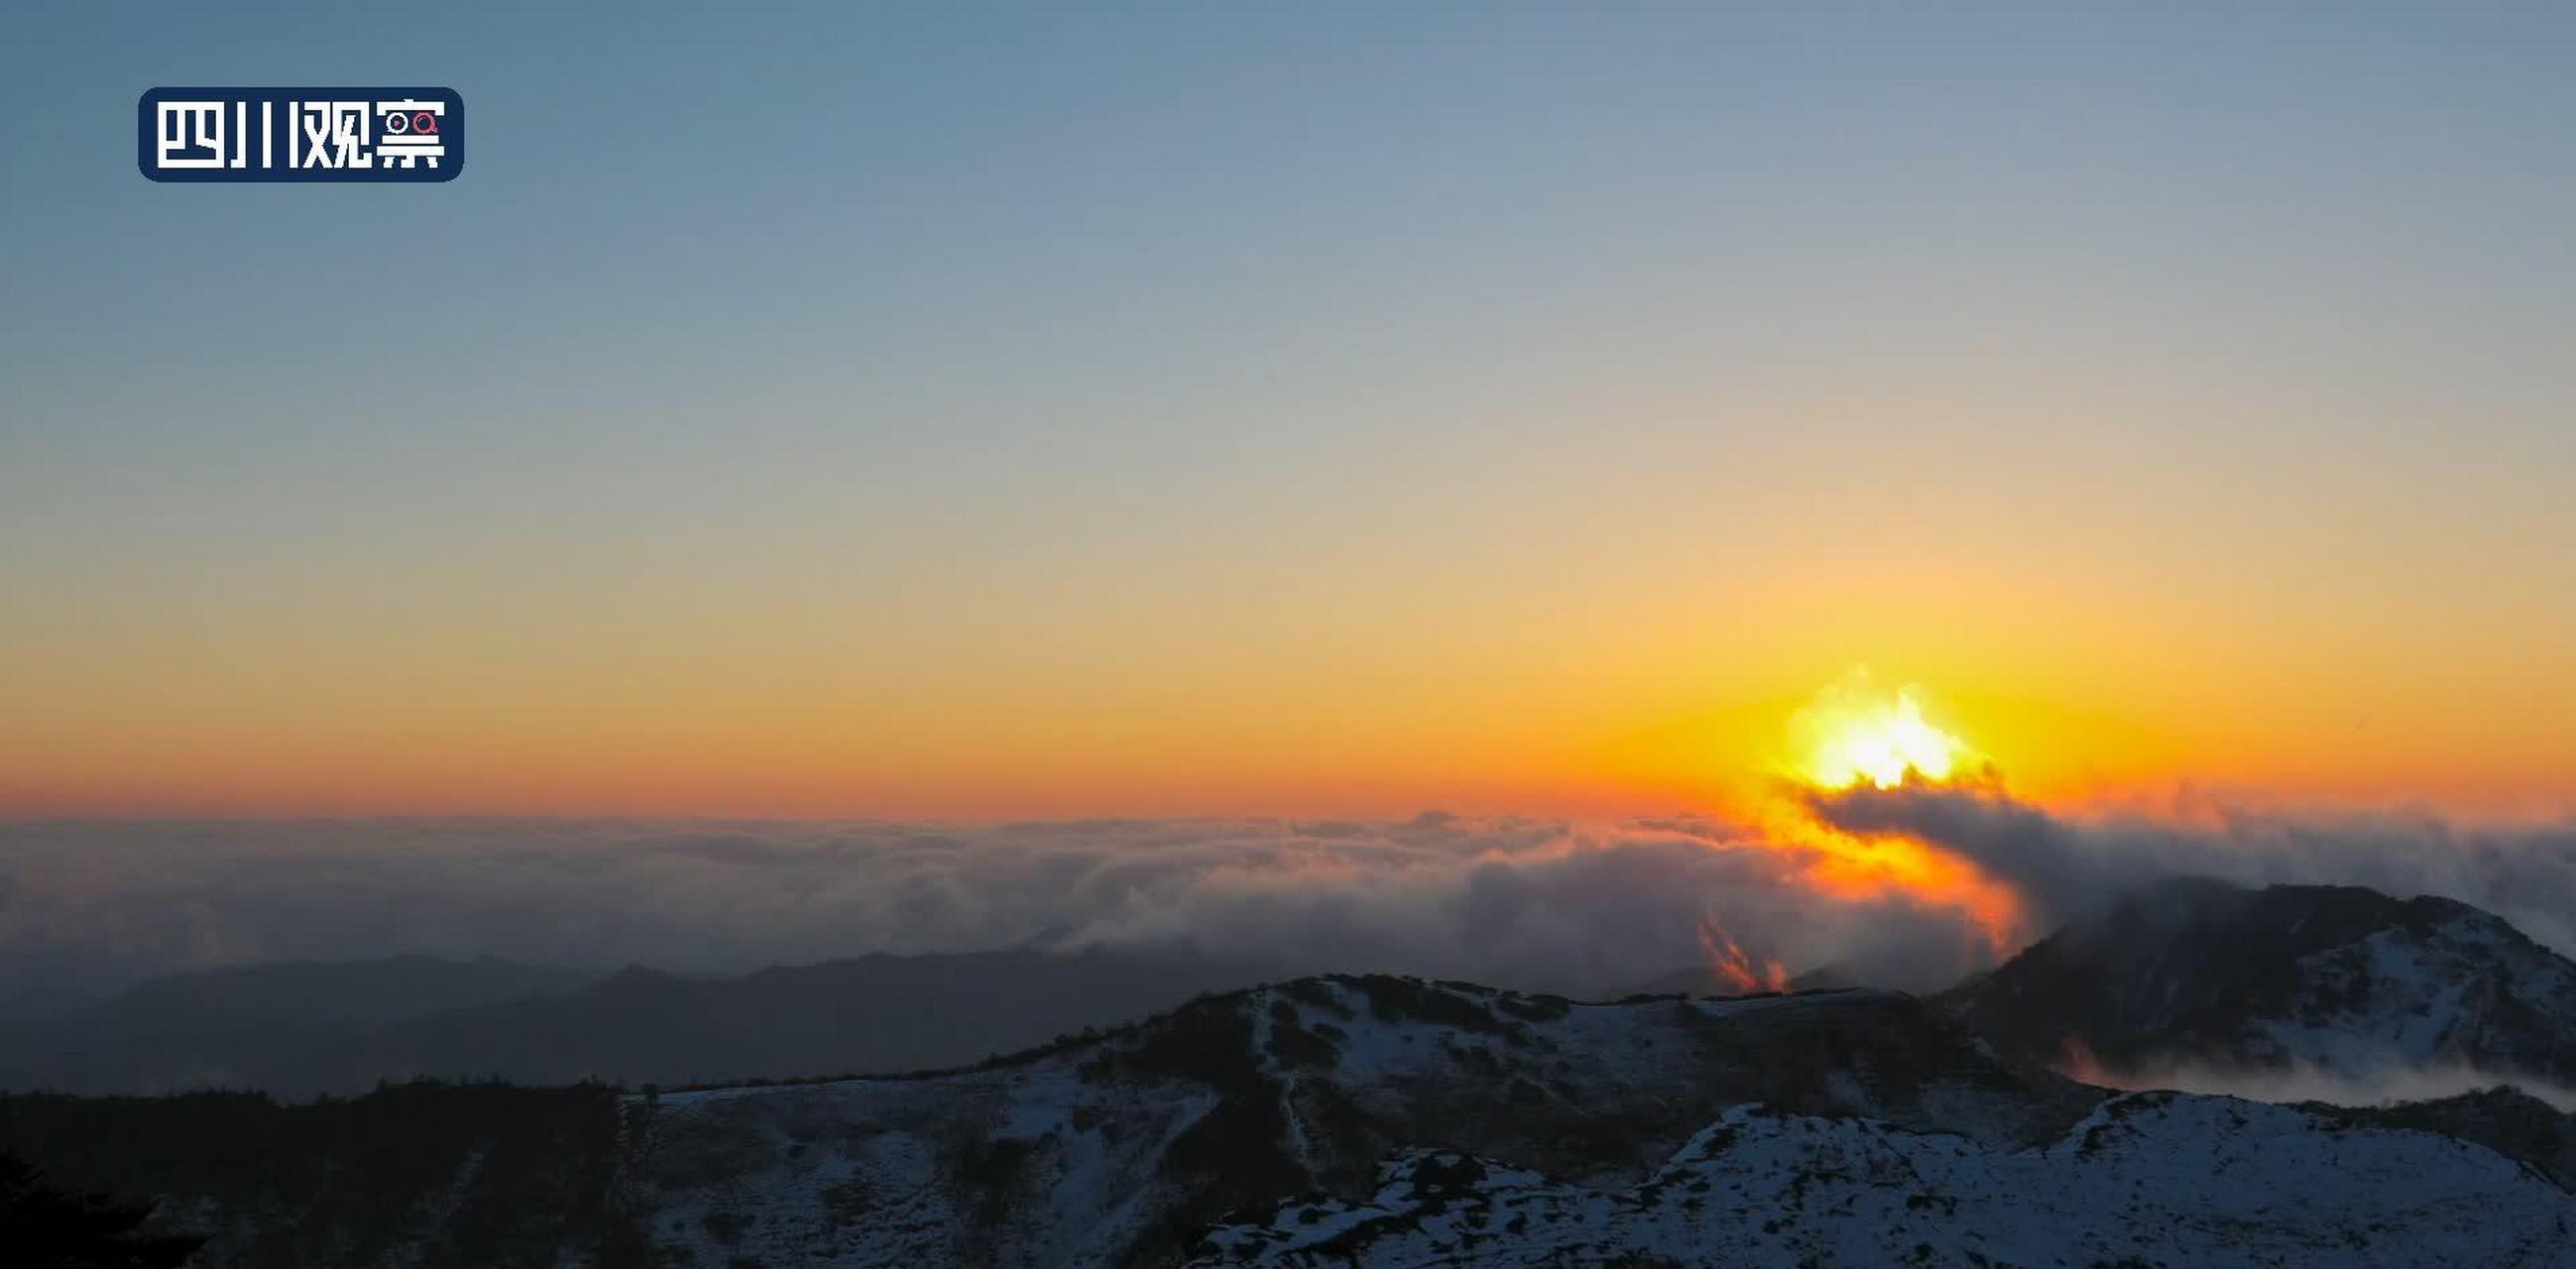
(1534, 903)
(1538, 903)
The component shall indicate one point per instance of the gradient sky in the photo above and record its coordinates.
(981, 412)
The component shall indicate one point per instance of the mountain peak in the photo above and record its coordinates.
(2342, 978)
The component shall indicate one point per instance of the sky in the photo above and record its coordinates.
(967, 412)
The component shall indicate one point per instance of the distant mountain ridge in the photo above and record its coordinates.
(365, 993)
(870, 1014)
(293, 1028)
(303, 1029)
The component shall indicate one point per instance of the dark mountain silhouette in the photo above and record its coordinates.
(412, 1175)
(2336, 977)
(298, 1030)
(45, 1227)
(301, 1027)
(364, 993)
(865, 1015)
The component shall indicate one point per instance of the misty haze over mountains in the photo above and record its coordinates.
(2173, 974)
(1156, 1043)
(91, 909)
(1375, 1120)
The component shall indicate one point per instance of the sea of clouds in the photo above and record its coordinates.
(88, 907)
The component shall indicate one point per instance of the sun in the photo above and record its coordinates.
(1853, 732)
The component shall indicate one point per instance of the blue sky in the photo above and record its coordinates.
(1162, 331)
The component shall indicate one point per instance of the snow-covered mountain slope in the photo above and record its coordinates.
(1848, 1127)
(1123, 1149)
(2146, 1179)
(2340, 978)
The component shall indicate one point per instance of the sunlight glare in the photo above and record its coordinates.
(1852, 733)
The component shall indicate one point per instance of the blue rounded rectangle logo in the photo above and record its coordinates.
(368, 135)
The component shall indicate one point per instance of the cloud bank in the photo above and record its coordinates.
(2306, 1082)
(1542, 904)
(2069, 868)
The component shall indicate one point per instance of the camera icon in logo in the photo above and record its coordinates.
(407, 132)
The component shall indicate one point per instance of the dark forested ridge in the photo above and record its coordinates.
(471, 1176)
(43, 1226)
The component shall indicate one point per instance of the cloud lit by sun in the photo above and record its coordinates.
(1858, 733)
(1855, 732)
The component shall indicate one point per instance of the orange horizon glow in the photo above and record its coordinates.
(1639, 729)
(1750, 766)
(328, 785)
